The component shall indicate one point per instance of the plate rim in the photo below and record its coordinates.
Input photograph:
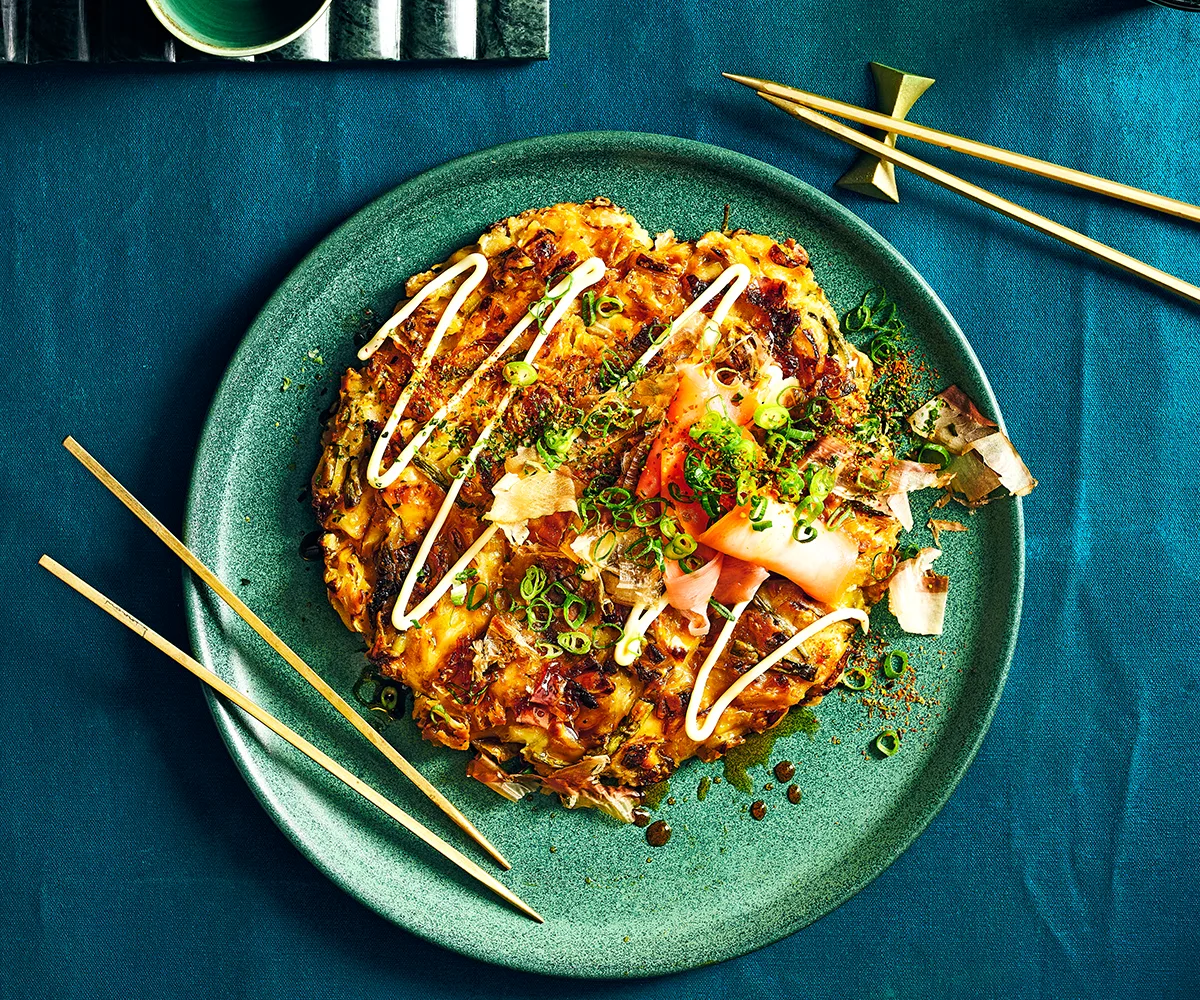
(630, 143)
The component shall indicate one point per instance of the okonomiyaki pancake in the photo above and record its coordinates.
(605, 501)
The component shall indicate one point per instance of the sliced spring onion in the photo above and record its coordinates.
(770, 416)
(895, 663)
(575, 642)
(941, 454)
(760, 525)
(882, 572)
(809, 509)
(533, 583)
(837, 517)
(646, 551)
(608, 306)
(864, 483)
(575, 610)
(818, 408)
(539, 614)
(758, 507)
(857, 679)
(549, 649)
(883, 349)
(614, 497)
(680, 545)
(604, 545)
(803, 532)
(720, 609)
(821, 483)
(599, 631)
(887, 742)
(520, 373)
(647, 513)
(477, 595)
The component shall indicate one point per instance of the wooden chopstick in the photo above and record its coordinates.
(994, 154)
(282, 648)
(292, 737)
(986, 198)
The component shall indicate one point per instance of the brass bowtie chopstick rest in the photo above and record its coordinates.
(807, 107)
(896, 92)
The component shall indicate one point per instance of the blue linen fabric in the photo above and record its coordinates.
(146, 216)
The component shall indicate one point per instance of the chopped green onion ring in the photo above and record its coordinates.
(520, 373)
(887, 742)
(473, 604)
(641, 516)
(891, 565)
(533, 583)
(614, 497)
(539, 614)
(944, 458)
(821, 483)
(502, 599)
(837, 517)
(857, 679)
(575, 642)
(809, 532)
(604, 546)
(895, 663)
(579, 617)
(809, 509)
(678, 495)
(771, 417)
(720, 609)
(598, 629)
(680, 546)
(608, 306)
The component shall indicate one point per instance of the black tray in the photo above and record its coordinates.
(34, 31)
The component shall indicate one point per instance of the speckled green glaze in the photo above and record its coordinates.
(722, 886)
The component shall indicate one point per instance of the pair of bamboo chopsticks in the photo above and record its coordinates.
(807, 107)
(310, 675)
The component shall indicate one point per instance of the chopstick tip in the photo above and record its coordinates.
(746, 81)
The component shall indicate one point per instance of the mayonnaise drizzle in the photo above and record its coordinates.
(736, 276)
(478, 264)
(563, 295)
(633, 638)
(699, 733)
(734, 280)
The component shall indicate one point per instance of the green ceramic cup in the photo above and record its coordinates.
(237, 27)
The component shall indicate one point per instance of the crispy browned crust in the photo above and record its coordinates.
(587, 726)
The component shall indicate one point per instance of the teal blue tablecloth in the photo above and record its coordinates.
(147, 215)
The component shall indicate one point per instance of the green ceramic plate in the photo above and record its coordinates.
(725, 884)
